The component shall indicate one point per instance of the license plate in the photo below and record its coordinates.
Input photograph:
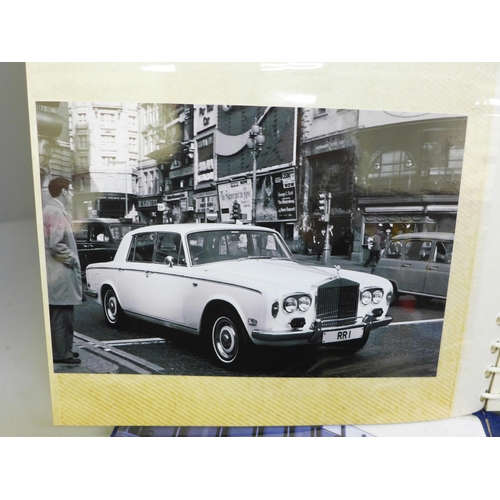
(342, 335)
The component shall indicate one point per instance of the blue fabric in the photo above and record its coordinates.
(490, 422)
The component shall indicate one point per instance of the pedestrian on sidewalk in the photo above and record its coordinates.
(319, 241)
(374, 250)
(63, 269)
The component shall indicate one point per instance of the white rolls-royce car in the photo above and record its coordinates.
(236, 286)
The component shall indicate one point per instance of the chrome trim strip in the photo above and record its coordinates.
(197, 278)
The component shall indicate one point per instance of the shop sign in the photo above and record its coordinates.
(176, 196)
(182, 172)
(326, 145)
(205, 171)
(204, 117)
(205, 203)
(147, 203)
(240, 191)
(276, 197)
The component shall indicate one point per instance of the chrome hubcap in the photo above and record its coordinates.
(225, 340)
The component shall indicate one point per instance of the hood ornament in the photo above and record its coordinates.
(337, 268)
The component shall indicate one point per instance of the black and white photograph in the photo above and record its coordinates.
(222, 240)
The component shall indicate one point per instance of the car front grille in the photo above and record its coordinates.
(337, 302)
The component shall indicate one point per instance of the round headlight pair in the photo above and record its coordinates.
(371, 296)
(297, 303)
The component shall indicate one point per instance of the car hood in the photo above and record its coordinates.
(282, 274)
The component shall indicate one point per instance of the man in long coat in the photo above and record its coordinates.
(63, 269)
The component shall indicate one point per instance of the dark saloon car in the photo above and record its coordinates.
(98, 239)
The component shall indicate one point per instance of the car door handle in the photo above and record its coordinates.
(406, 265)
(433, 268)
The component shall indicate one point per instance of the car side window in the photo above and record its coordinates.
(394, 250)
(418, 250)
(81, 231)
(169, 248)
(98, 233)
(443, 252)
(142, 248)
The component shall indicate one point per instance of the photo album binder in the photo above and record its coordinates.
(257, 244)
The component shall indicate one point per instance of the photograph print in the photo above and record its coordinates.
(247, 241)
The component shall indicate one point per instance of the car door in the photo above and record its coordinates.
(165, 285)
(389, 265)
(132, 276)
(99, 244)
(416, 257)
(438, 270)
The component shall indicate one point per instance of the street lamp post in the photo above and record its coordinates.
(255, 142)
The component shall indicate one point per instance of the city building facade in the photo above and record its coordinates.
(388, 172)
(392, 172)
(104, 142)
(166, 164)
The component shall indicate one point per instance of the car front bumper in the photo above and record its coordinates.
(314, 335)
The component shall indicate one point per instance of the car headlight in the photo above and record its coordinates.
(377, 296)
(304, 303)
(366, 297)
(371, 296)
(296, 302)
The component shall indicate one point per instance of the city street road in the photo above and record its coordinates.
(408, 347)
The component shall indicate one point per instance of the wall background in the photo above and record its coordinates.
(25, 406)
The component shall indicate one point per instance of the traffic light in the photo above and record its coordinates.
(322, 203)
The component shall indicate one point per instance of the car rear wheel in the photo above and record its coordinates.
(228, 339)
(422, 300)
(112, 309)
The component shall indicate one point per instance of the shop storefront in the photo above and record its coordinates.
(408, 179)
(178, 208)
(329, 165)
(396, 220)
(150, 209)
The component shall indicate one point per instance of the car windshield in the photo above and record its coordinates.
(118, 231)
(216, 246)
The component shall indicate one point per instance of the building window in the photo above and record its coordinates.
(82, 141)
(83, 161)
(108, 120)
(109, 161)
(452, 165)
(392, 171)
(108, 142)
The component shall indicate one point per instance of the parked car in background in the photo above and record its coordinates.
(418, 264)
(237, 286)
(98, 239)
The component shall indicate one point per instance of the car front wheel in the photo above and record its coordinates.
(228, 339)
(112, 309)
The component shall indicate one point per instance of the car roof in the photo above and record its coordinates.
(108, 221)
(193, 227)
(425, 235)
